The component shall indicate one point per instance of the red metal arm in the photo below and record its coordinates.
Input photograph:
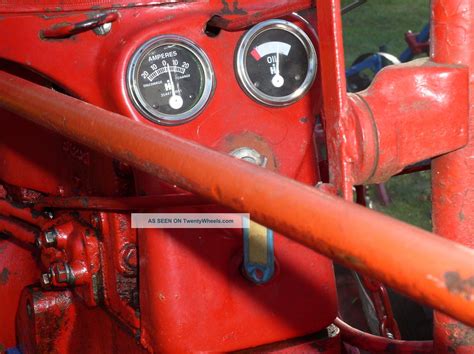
(401, 255)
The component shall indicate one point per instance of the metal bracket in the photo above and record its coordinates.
(259, 262)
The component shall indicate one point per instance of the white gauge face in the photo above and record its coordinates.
(170, 80)
(276, 63)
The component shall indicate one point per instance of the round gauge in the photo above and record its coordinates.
(170, 80)
(276, 62)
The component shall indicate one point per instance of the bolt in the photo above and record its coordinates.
(29, 310)
(130, 258)
(38, 242)
(95, 220)
(45, 280)
(62, 273)
(50, 237)
(104, 29)
(48, 214)
(250, 155)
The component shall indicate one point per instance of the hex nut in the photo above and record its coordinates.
(50, 237)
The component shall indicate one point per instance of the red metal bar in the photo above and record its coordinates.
(23, 213)
(453, 174)
(65, 30)
(376, 344)
(18, 230)
(396, 253)
(337, 115)
(411, 112)
(122, 203)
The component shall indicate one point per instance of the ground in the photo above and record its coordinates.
(383, 23)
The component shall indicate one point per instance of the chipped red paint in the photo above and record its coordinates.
(22, 232)
(118, 203)
(453, 174)
(122, 290)
(88, 122)
(78, 186)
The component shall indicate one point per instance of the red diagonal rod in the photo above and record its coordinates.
(150, 202)
(427, 268)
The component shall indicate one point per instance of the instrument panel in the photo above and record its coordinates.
(275, 63)
(170, 79)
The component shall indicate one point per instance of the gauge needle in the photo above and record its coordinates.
(175, 101)
(277, 79)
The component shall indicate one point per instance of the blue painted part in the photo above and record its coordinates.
(14, 350)
(375, 61)
(406, 55)
(256, 272)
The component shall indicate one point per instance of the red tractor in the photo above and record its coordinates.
(168, 109)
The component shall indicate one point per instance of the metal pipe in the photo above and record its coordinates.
(376, 344)
(24, 213)
(120, 203)
(452, 42)
(352, 6)
(20, 231)
(401, 255)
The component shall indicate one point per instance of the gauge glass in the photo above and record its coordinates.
(276, 62)
(170, 80)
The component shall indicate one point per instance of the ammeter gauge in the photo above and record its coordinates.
(276, 62)
(170, 80)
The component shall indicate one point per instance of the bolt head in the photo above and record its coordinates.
(45, 280)
(103, 29)
(29, 310)
(130, 258)
(61, 272)
(50, 237)
(38, 242)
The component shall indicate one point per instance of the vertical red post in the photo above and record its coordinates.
(453, 174)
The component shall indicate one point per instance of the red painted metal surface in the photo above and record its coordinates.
(17, 270)
(225, 125)
(9, 209)
(157, 153)
(181, 290)
(453, 176)
(19, 231)
(118, 203)
(363, 145)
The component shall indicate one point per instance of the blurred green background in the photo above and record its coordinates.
(383, 23)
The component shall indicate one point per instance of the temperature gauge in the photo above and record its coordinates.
(170, 80)
(276, 62)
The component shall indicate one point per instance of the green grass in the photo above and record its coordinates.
(384, 22)
(411, 199)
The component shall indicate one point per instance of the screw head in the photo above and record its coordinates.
(29, 310)
(61, 273)
(38, 242)
(250, 155)
(45, 280)
(103, 29)
(50, 237)
(130, 258)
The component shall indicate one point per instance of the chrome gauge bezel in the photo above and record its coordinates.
(242, 74)
(140, 103)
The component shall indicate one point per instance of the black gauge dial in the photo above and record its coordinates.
(170, 80)
(276, 63)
